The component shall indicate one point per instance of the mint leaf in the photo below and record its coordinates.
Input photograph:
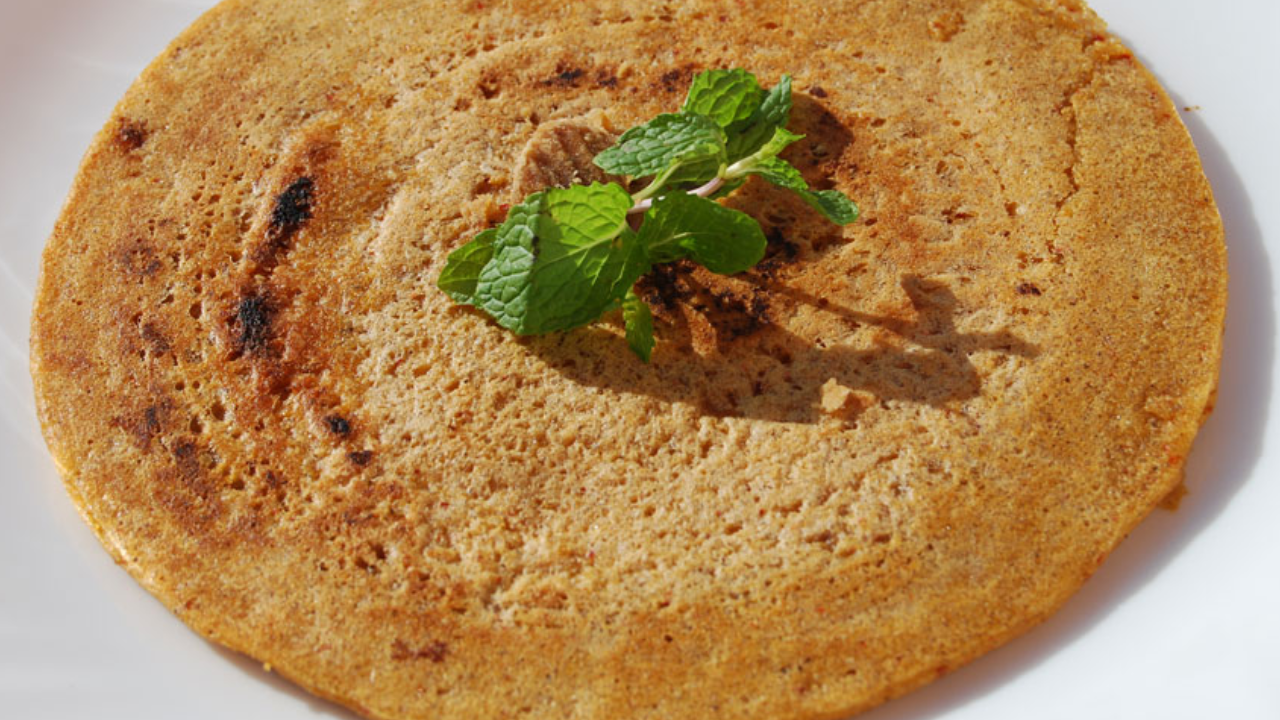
(701, 171)
(726, 96)
(565, 256)
(838, 208)
(833, 204)
(462, 270)
(663, 141)
(772, 114)
(639, 324)
(780, 173)
(562, 259)
(695, 173)
(722, 240)
(782, 137)
(503, 288)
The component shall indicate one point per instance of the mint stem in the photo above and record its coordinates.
(703, 191)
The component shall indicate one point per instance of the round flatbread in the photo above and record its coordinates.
(889, 448)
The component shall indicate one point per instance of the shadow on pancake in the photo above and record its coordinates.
(723, 354)
(724, 350)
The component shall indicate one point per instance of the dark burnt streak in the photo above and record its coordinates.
(733, 313)
(156, 339)
(337, 425)
(565, 77)
(186, 490)
(292, 209)
(664, 286)
(676, 80)
(147, 427)
(138, 259)
(734, 316)
(778, 252)
(253, 323)
(131, 134)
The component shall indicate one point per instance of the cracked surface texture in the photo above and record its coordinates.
(886, 450)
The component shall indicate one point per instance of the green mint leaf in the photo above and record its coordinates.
(838, 208)
(502, 289)
(462, 270)
(833, 204)
(772, 114)
(782, 137)
(762, 160)
(655, 146)
(780, 173)
(562, 259)
(720, 239)
(727, 96)
(700, 172)
(639, 323)
(695, 173)
(566, 256)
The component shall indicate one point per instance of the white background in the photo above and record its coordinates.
(1182, 622)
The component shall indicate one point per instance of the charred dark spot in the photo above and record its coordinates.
(184, 455)
(489, 87)
(778, 252)
(565, 77)
(292, 209)
(193, 464)
(148, 426)
(731, 313)
(338, 425)
(1029, 289)
(676, 80)
(360, 458)
(140, 260)
(131, 134)
(665, 285)
(434, 651)
(159, 343)
(734, 316)
(187, 491)
(253, 320)
(606, 79)
(151, 420)
(144, 426)
(817, 91)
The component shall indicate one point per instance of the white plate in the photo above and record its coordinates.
(1181, 622)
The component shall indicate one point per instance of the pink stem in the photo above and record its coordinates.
(703, 191)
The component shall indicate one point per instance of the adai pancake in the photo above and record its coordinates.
(888, 449)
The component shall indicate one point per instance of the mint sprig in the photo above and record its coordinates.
(566, 256)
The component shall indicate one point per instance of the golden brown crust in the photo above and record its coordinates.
(885, 451)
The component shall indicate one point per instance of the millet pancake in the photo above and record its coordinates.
(889, 448)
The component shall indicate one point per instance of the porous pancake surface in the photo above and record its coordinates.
(888, 449)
